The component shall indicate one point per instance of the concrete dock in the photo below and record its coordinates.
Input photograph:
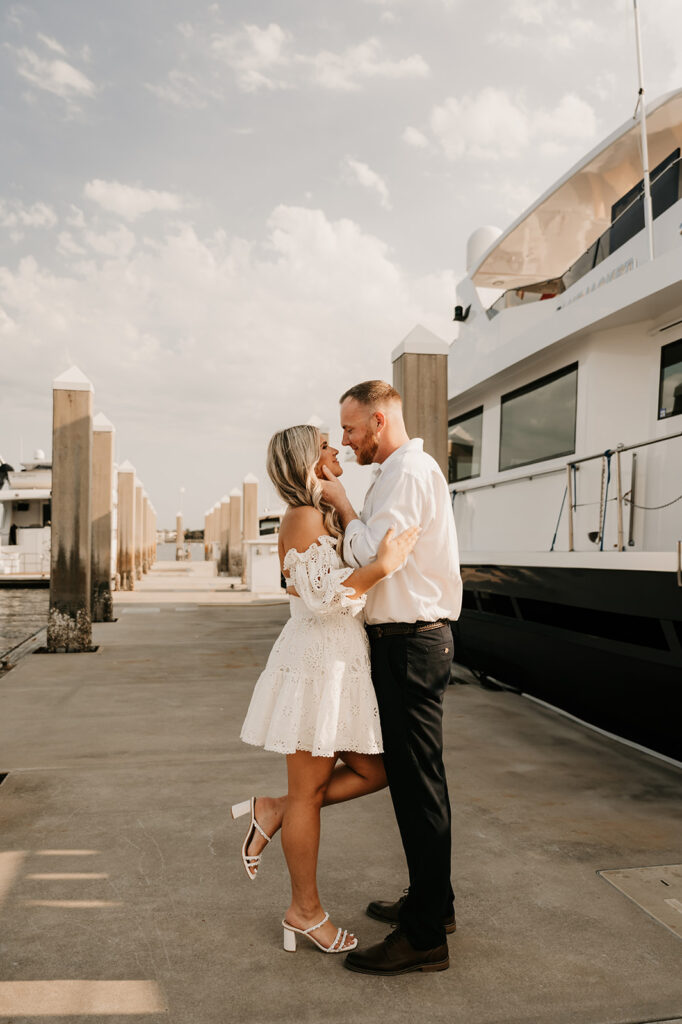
(123, 897)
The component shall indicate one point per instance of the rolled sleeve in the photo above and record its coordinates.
(404, 507)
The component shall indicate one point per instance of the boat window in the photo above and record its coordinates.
(538, 420)
(627, 215)
(464, 446)
(670, 389)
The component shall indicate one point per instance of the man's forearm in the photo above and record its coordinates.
(346, 513)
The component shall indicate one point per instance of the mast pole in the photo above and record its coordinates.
(648, 212)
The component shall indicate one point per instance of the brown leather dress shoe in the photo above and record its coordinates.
(395, 955)
(381, 910)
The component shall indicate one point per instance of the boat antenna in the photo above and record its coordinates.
(641, 106)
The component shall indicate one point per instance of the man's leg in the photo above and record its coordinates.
(410, 675)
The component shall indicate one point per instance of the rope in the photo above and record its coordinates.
(559, 519)
(607, 456)
(652, 508)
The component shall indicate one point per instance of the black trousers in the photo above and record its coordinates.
(410, 676)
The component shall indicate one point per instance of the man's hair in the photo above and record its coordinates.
(371, 393)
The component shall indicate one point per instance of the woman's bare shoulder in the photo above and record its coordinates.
(301, 527)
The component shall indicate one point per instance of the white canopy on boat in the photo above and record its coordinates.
(564, 222)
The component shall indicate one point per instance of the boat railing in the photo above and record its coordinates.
(666, 185)
(570, 471)
(621, 498)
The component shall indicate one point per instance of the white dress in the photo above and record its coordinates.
(316, 691)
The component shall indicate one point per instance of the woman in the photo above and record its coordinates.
(315, 701)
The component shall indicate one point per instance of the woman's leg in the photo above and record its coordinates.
(308, 780)
(359, 775)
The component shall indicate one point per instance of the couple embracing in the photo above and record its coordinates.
(353, 689)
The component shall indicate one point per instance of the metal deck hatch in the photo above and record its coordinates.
(657, 890)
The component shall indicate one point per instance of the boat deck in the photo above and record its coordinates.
(123, 897)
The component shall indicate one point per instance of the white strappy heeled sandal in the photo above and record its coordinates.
(337, 946)
(251, 863)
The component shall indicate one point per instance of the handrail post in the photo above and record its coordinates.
(619, 486)
(633, 492)
(569, 495)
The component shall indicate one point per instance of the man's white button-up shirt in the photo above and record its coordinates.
(409, 489)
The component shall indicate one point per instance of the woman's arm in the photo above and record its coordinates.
(306, 525)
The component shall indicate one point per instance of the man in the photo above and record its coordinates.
(407, 617)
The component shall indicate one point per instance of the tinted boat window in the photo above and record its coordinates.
(627, 215)
(538, 420)
(670, 391)
(464, 446)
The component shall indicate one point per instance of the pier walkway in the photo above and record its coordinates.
(123, 897)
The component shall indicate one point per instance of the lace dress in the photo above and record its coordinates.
(316, 690)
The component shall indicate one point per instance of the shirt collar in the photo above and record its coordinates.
(415, 444)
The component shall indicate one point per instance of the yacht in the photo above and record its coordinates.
(565, 440)
(25, 516)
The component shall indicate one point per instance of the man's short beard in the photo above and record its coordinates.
(366, 452)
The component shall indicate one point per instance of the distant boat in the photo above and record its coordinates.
(25, 518)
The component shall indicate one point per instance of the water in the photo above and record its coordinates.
(23, 611)
(166, 552)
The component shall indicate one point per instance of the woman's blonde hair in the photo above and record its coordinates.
(292, 456)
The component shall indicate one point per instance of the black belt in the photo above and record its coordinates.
(403, 628)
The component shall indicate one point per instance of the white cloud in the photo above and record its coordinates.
(14, 213)
(483, 127)
(346, 71)
(52, 44)
(55, 76)
(118, 242)
(266, 59)
(493, 125)
(129, 201)
(365, 176)
(532, 12)
(413, 137)
(255, 55)
(572, 120)
(219, 336)
(184, 89)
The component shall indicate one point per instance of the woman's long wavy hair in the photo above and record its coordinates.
(292, 456)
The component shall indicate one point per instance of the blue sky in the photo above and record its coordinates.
(227, 213)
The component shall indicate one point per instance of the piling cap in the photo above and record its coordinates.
(102, 424)
(235, 493)
(72, 379)
(126, 467)
(422, 341)
(250, 479)
(225, 499)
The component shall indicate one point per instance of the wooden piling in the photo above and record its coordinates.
(139, 528)
(146, 539)
(235, 539)
(223, 517)
(126, 526)
(179, 538)
(420, 374)
(102, 518)
(69, 622)
(250, 513)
